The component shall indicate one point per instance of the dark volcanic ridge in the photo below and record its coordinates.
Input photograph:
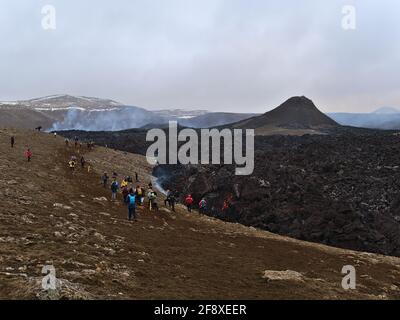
(297, 113)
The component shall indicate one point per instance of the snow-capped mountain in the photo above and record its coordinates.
(67, 112)
(65, 102)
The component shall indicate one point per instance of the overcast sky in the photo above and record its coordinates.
(225, 55)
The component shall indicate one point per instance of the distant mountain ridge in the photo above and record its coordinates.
(386, 110)
(180, 113)
(63, 101)
(68, 112)
(387, 118)
(63, 112)
(298, 115)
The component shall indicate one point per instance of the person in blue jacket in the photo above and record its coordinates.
(114, 190)
(131, 201)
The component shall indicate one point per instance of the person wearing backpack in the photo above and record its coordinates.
(189, 202)
(152, 199)
(83, 162)
(172, 201)
(131, 201)
(143, 191)
(154, 202)
(203, 206)
(125, 192)
(124, 183)
(28, 154)
(168, 198)
(114, 190)
(138, 194)
(72, 165)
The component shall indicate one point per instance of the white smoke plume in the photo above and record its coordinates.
(114, 120)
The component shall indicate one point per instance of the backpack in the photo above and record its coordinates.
(152, 196)
(203, 204)
(114, 186)
(132, 200)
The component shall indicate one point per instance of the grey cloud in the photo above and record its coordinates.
(217, 54)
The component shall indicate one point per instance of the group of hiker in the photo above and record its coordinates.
(28, 153)
(189, 202)
(135, 196)
(131, 196)
(78, 143)
(172, 198)
(73, 162)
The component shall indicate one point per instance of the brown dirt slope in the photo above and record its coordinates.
(48, 216)
(25, 118)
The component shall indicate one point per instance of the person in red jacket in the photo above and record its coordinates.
(227, 202)
(225, 206)
(28, 154)
(189, 202)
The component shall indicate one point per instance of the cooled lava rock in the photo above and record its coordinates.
(341, 189)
